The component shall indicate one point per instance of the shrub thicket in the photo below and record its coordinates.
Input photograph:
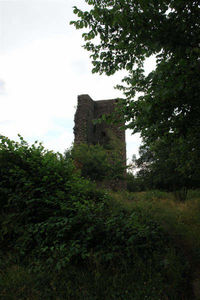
(82, 245)
(44, 203)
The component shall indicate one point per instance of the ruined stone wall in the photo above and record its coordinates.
(85, 131)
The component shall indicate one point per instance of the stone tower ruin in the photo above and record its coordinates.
(85, 131)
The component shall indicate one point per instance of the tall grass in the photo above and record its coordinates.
(176, 275)
(179, 220)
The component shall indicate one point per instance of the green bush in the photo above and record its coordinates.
(56, 223)
(97, 163)
(43, 202)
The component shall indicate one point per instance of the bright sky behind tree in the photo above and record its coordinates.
(43, 69)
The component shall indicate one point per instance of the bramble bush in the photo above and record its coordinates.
(43, 201)
(49, 212)
(54, 221)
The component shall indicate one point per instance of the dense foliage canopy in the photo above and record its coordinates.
(163, 105)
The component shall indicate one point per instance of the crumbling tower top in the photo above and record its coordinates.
(85, 131)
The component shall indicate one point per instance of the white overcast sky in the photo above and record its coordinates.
(43, 69)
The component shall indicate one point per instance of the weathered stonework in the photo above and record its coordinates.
(85, 131)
